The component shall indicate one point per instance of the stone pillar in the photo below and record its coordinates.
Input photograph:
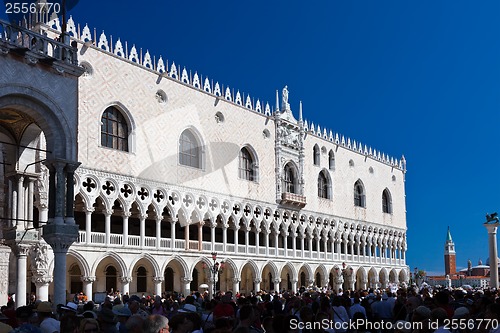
(60, 194)
(492, 245)
(20, 203)
(267, 243)
(276, 241)
(257, 241)
(224, 237)
(125, 216)
(142, 230)
(21, 252)
(4, 274)
(318, 247)
(88, 281)
(42, 287)
(158, 232)
(277, 284)
(125, 280)
(236, 285)
(247, 238)
(285, 244)
(186, 286)
(70, 192)
(107, 225)
(294, 244)
(60, 238)
(186, 237)
(310, 241)
(88, 225)
(158, 281)
(236, 241)
(29, 207)
(200, 235)
(172, 237)
(212, 236)
(364, 284)
(40, 270)
(325, 245)
(294, 286)
(257, 285)
(302, 244)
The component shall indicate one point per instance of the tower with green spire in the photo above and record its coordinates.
(450, 266)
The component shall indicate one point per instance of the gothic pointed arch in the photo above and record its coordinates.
(386, 201)
(331, 160)
(116, 128)
(148, 257)
(248, 165)
(114, 256)
(82, 262)
(324, 185)
(316, 155)
(290, 178)
(191, 149)
(359, 194)
(179, 260)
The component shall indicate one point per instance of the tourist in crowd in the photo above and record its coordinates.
(48, 324)
(156, 324)
(89, 325)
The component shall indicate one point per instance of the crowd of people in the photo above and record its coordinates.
(407, 310)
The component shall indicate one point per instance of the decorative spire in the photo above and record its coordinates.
(300, 111)
(448, 236)
(277, 101)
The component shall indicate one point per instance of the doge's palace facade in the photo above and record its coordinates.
(143, 169)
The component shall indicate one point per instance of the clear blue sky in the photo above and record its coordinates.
(419, 78)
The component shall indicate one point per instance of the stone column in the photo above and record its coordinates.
(186, 286)
(40, 269)
(142, 230)
(247, 238)
(492, 245)
(257, 285)
(42, 287)
(294, 286)
(276, 241)
(285, 244)
(29, 207)
(70, 192)
(236, 285)
(107, 225)
(200, 235)
(318, 247)
(277, 284)
(310, 241)
(224, 237)
(158, 232)
(88, 281)
(172, 236)
(294, 244)
(88, 225)
(125, 216)
(21, 252)
(125, 281)
(186, 237)
(236, 241)
(60, 238)
(60, 194)
(4, 273)
(158, 281)
(212, 236)
(364, 283)
(302, 243)
(257, 241)
(325, 245)
(267, 242)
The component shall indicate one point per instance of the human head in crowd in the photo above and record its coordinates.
(156, 324)
(89, 325)
(134, 324)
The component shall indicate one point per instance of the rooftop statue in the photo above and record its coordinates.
(492, 218)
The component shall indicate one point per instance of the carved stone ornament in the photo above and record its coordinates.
(40, 257)
(88, 279)
(125, 279)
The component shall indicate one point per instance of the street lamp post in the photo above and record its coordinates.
(216, 269)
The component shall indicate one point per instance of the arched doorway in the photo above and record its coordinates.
(111, 278)
(169, 279)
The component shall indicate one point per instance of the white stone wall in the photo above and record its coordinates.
(157, 128)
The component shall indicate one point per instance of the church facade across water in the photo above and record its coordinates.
(125, 172)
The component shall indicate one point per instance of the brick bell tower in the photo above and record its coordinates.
(450, 266)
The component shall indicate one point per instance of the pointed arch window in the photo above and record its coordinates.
(386, 202)
(142, 280)
(289, 179)
(189, 150)
(359, 194)
(247, 165)
(316, 155)
(324, 186)
(331, 160)
(114, 129)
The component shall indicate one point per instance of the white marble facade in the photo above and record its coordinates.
(147, 222)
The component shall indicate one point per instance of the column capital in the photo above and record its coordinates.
(60, 236)
(21, 250)
(89, 210)
(125, 279)
(41, 280)
(88, 279)
(186, 280)
(126, 214)
(236, 280)
(72, 166)
(277, 281)
(39, 257)
(257, 281)
(158, 279)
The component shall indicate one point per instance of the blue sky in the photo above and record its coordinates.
(419, 78)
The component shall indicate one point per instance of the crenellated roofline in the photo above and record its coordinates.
(197, 81)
